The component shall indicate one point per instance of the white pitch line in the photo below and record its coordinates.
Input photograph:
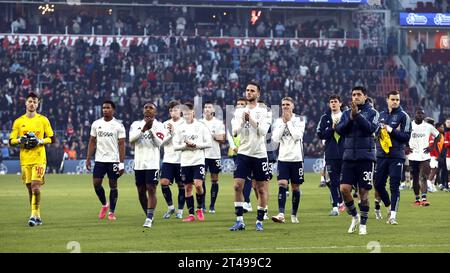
(291, 248)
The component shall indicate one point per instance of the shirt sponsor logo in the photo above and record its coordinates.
(104, 134)
(418, 135)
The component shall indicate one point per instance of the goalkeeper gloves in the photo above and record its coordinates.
(31, 141)
(23, 140)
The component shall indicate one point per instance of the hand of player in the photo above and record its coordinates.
(148, 125)
(218, 137)
(235, 149)
(170, 128)
(388, 128)
(287, 116)
(427, 150)
(408, 150)
(335, 122)
(246, 116)
(88, 164)
(23, 140)
(121, 169)
(190, 145)
(32, 142)
(354, 111)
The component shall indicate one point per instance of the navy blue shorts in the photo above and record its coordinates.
(291, 171)
(171, 172)
(247, 166)
(189, 173)
(102, 168)
(213, 165)
(358, 173)
(144, 177)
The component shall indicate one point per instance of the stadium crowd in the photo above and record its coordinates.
(74, 80)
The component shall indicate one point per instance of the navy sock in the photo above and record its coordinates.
(214, 192)
(377, 205)
(100, 191)
(281, 199)
(295, 201)
(113, 196)
(260, 216)
(200, 198)
(150, 213)
(364, 210)
(351, 210)
(424, 197)
(417, 198)
(190, 204)
(181, 198)
(239, 210)
(167, 193)
(247, 190)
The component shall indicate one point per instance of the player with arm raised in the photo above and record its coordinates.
(358, 125)
(192, 138)
(288, 131)
(234, 142)
(334, 148)
(170, 170)
(212, 155)
(32, 131)
(252, 125)
(147, 136)
(108, 139)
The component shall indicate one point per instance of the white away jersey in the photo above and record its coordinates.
(253, 140)
(107, 134)
(290, 137)
(197, 133)
(215, 127)
(146, 145)
(420, 136)
(170, 155)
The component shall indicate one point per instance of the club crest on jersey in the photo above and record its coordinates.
(286, 132)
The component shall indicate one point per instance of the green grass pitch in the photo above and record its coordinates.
(70, 207)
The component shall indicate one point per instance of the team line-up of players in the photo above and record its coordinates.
(356, 140)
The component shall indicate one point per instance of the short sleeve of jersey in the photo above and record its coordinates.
(94, 129)
(121, 132)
